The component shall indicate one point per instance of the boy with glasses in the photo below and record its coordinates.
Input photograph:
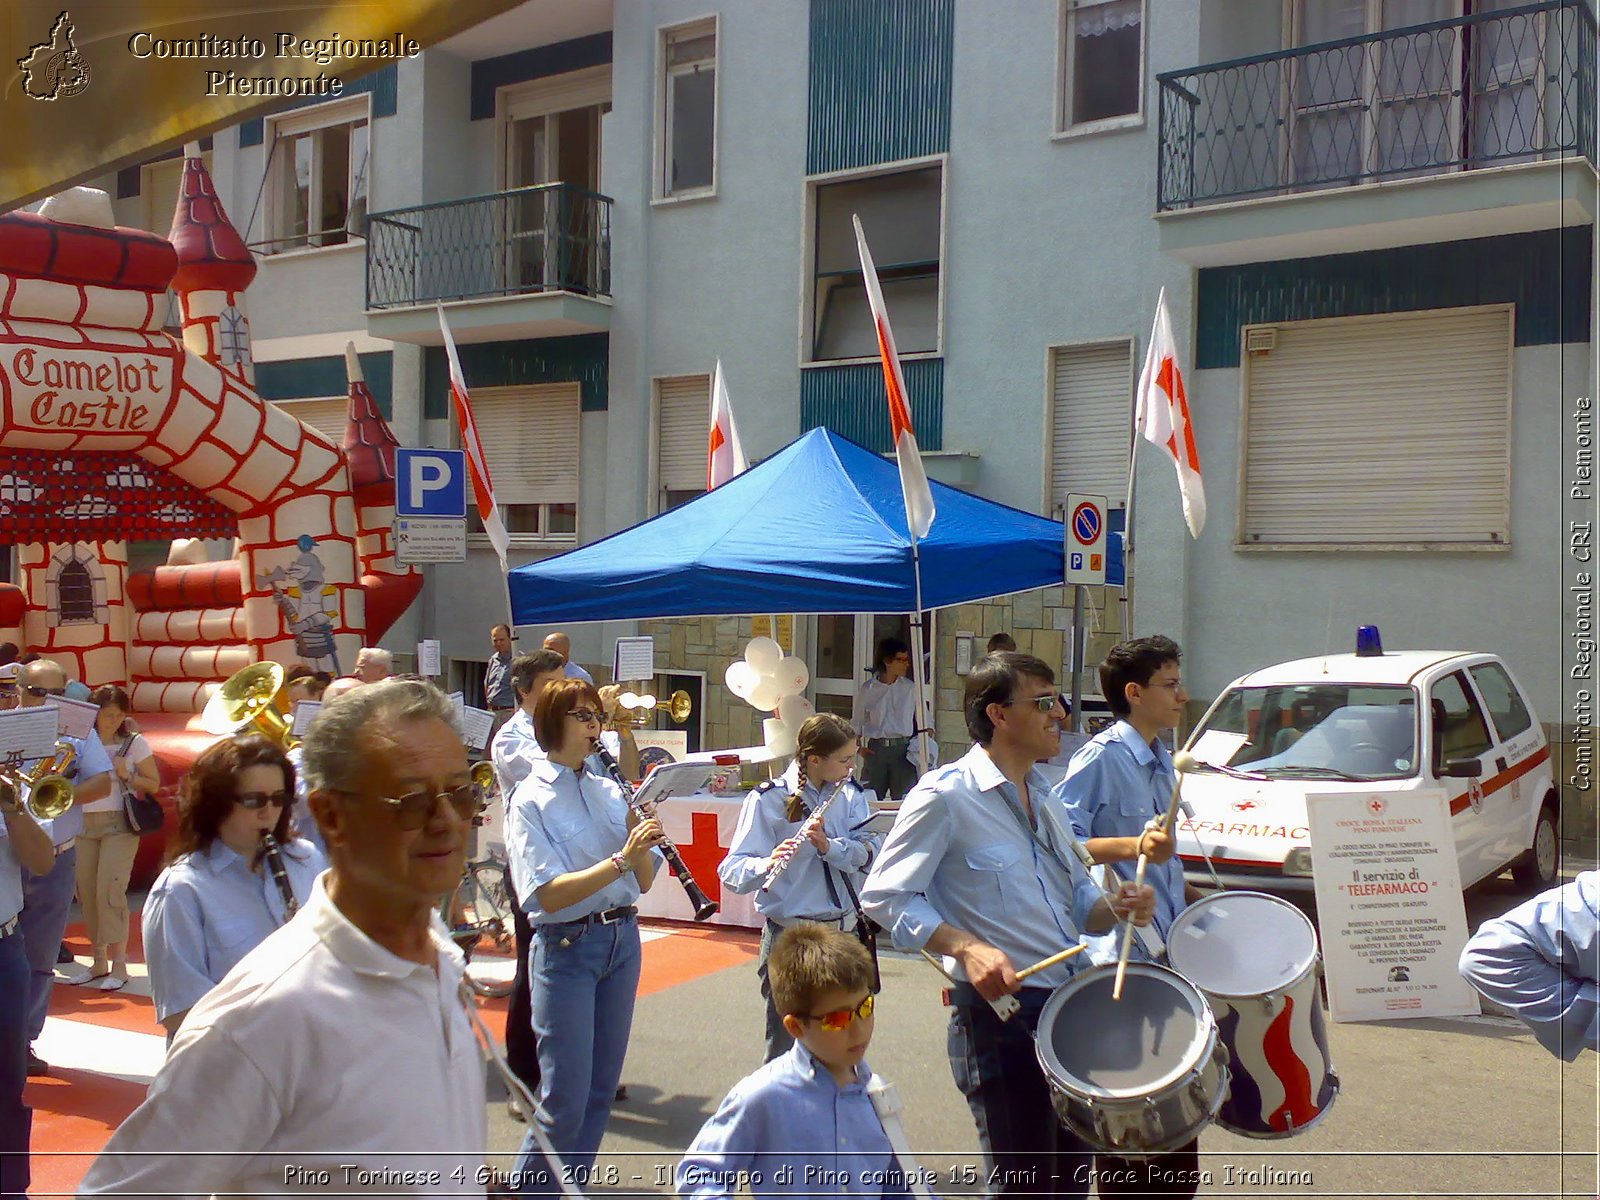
(784, 1125)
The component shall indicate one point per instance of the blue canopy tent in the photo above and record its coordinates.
(820, 527)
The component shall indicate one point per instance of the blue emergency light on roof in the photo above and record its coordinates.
(1369, 644)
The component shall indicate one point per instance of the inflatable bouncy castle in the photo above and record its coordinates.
(114, 431)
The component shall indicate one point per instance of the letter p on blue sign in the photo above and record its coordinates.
(430, 483)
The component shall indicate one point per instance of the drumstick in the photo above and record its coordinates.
(1051, 961)
(1005, 1007)
(1182, 764)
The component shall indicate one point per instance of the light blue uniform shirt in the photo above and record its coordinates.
(305, 824)
(207, 911)
(957, 855)
(1114, 786)
(91, 760)
(563, 821)
(515, 749)
(803, 888)
(1542, 961)
(785, 1125)
(10, 877)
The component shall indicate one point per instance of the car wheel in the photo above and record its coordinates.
(1537, 868)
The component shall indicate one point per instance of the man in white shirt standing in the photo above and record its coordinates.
(337, 1055)
(886, 719)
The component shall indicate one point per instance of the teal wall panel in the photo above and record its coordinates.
(383, 84)
(1546, 274)
(305, 378)
(584, 358)
(850, 401)
(880, 74)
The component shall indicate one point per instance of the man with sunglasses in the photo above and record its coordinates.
(47, 897)
(340, 1044)
(977, 868)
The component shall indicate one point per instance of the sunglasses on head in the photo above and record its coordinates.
(413, 810)
(254, 800)
(839, 1018)
(34, 690)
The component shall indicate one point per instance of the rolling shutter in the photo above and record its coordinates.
(1380, 431)
(1091, 421)
(530, 439)
(327, 416)
(683, 416)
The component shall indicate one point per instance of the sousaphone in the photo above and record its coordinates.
(248, 698)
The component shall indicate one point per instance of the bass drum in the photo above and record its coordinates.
(1255, 958)
(1137, 1076)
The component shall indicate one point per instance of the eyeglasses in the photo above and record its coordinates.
(32, 690)
(1045, 704)
(255, 800)
(584, 714)
(840, 1018)
(412, 810)
(1175, 686)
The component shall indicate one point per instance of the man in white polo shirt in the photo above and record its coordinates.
(339, 1045)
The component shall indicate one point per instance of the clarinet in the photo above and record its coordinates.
(273, 855)
(704, 905)
(780, 862)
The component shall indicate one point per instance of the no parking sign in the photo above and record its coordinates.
(1085, 539)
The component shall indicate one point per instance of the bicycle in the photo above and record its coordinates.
(479, 910)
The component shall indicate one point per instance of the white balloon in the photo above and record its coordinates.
(763, 654)
(741, 678)
(778, 738)
(764, 695)
(794, 711)
(792, 676)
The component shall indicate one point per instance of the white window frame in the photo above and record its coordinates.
(655, 505)
(1047, 505)
(1241, 485)
(322, 116)
(808, 250)
(477, 539)
(1064, 128)
(661, 192)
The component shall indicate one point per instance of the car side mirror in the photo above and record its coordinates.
(1463, 768)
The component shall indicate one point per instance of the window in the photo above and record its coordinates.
(327, 415)
(683, 423)
(686, 130)
(75, 590)
(902, 215)
(1458, 728)
(317, 173)
(530, 441)
(1511, 715)
(1102, 65)
(1091, 422)
(1389, 433)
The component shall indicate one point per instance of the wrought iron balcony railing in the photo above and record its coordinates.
(1493, 88)
(547, 238)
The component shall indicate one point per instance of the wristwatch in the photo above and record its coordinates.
(621, 864)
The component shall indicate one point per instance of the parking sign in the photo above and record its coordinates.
(430, 483)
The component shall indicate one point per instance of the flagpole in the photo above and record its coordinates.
(1127, 537)
(916, 660)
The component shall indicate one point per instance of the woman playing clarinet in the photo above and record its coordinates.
(580, 858)
(221, 893)
(815, 864)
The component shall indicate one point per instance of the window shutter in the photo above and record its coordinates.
(1363, 431)
(683, 430)
(530, 440)
(327, 416)
(1091, 421)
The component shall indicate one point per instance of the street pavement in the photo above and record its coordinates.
(1445, 1107)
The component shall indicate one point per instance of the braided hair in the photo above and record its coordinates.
(821, 735)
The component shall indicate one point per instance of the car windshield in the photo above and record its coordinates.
(1313, 731)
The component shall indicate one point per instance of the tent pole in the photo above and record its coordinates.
(916, 662)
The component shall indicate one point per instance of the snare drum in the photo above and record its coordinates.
(1137, 1076)
(1255, 958)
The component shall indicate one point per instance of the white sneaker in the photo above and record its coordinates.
(73, 973)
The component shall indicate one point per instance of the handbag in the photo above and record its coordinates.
(143, 813)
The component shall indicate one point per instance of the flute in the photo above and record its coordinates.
(814, 821)
(704, 905)
(273, 854)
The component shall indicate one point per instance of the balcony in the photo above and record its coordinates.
(1490, 116)
(530, 262)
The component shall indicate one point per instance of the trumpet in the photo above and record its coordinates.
(49, 791)
(488, 785)
(636, 708)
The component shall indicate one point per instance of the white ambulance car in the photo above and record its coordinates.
(1407, 720)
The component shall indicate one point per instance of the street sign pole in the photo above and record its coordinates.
(1084, 538)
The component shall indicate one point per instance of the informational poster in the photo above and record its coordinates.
(428, 658)
(1389, 904)
(762, 627)
(660, 745)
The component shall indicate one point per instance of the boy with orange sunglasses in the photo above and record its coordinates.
(783, 1125)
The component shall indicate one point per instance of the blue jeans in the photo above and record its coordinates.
(583, 994)
(46, 906)
(16, 1118)
(778, 1040)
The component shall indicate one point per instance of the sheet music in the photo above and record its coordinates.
(675, 779)
(476, 725)
(305, 712)
(77, 716)
(29, 733)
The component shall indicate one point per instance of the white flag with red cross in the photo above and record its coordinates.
(1161, 415)
(725, 456)
(477, 465)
